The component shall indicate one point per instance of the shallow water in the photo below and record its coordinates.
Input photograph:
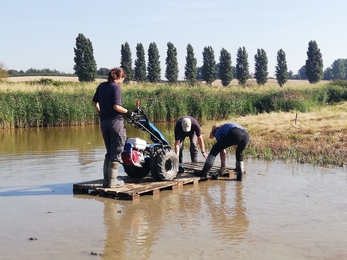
(279, 211)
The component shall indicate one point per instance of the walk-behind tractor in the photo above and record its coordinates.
(141, 158)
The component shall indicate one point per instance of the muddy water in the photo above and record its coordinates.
(279, 211)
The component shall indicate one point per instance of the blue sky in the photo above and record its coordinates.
(42, 33)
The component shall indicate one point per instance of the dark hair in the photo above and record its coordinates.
(116, 73)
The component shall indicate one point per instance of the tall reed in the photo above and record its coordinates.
(61, 104)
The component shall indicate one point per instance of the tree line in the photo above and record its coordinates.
(86, 70)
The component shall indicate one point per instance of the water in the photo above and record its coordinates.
(279, 211)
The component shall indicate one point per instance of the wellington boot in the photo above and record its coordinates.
(239, 170)
(105, 169)
(112, 176)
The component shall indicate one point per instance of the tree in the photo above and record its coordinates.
(13, 73)
(191, 70)
(85, 65)
(171, 72)
(140, 63)
(281, 68)
(260, 65)
(126, 62)
(209, 65)
(103, 71)
(242, 66)
(328, 74)
(314, 63)
(339, 69)
(302, 72)
(3, 72)
(225, 68)
(153, 67)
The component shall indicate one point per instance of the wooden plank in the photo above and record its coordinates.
(135, 187)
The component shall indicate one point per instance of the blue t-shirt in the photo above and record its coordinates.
(225, 129)
(108, 95)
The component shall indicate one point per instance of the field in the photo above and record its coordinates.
(216, 83)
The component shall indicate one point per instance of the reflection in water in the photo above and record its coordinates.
(133, 229)
(228, 217)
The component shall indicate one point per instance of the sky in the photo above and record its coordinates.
(42, 34)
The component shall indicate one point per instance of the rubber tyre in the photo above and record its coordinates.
(136, 172)
(164, 165)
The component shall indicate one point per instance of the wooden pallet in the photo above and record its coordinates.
(134, 188)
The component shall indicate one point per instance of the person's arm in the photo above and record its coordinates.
(123, 110)
(96, 105)
(223, 156)
(120, 109)
(202, 146)
(177, 147)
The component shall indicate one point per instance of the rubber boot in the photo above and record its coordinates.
(105, 169)
(207, 166)
(239, 170)
(113, 182)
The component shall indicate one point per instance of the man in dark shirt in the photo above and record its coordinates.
(188, 126)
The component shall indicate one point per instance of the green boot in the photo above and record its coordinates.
(105, 169)
(113, 182)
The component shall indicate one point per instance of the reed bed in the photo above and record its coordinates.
(304, 123)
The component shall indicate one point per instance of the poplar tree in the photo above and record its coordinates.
(314, 63)
(140, 63)
(242, 66)
(260, 64)
(126, 62)
(209, 65)
(191, 69)
(85, 65)
(225, 68)
(153, 66)
(171, 72)
(281, 68)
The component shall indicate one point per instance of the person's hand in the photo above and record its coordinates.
(130, 114)
(204, 155)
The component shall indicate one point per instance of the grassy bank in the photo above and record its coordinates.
(303, 122)
(318, 137)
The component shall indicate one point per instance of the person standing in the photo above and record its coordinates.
(108, 102)
(229, 134)
(188, 126)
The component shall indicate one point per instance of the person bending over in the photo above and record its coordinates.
(188, 126)
(229, 134)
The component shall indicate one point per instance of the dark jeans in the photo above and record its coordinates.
(114, 135)
(235, 136)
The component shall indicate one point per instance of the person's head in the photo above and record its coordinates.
(116, 75)
(213, 130)
(186, 124)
